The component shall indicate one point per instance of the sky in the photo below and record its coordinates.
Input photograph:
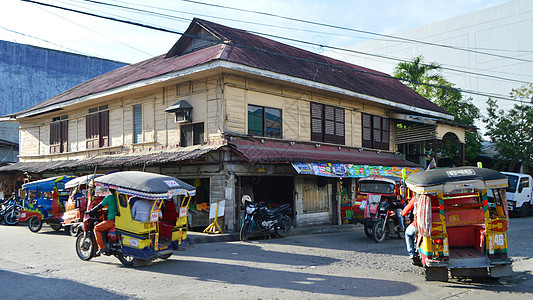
(29, 23)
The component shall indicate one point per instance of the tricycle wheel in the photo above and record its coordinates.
(34, 224)
(127, 261)
(368, 231)
(378, 231)
(85, 247)
(245, 231)
(12, 217)
(56, 226)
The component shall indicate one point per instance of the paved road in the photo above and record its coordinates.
(321, 266)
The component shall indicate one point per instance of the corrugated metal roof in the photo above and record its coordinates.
(267, 151)
(116, 160)
(251, 50)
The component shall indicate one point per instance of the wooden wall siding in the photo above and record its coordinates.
(148, 122)
(116, 129)
(304, 114)
(236, 110)
(263, 99)
(291, 119)
(260, 85)
(29, 141)
(127, 125)
(356, 129)
(45, 139)
(304, 186)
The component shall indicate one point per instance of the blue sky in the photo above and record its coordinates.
(28, 23)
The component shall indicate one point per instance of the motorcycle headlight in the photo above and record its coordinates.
(250, 209)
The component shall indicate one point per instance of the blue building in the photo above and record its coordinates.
(29, 75)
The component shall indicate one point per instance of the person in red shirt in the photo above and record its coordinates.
(410, 233)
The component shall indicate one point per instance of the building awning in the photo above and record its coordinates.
(268, 151)
(117, 160)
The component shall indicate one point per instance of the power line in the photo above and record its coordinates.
(263, 50)
(300, 41)
(358, 30)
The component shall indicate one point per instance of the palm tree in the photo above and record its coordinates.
(417, 75)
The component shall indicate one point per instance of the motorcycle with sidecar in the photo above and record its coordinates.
(133, 241)
(44, 202)
(458, 230)
(376, 201)
(76, 204)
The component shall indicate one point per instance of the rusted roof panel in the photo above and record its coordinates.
(266, 151)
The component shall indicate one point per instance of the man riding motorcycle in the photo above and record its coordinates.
(111, 202)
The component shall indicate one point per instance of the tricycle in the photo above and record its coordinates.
(131, 240)
(378, 201)
(457, 230)
(76, 204)
(44, 202)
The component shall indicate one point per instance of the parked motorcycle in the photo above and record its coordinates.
(386, 223)
(11, 210)
(266, 220)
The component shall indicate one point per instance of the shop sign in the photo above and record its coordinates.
(350, 170)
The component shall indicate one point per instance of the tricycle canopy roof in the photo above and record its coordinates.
(389, 179)
(47, 183)
(146, 185)
(447, 180)
(81, 180)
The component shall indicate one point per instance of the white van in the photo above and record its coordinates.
(519, 193)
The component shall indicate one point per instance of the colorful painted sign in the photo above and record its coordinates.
(350, 170)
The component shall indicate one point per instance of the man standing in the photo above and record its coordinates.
(410, 233)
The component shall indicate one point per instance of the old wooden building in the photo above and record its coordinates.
(234, 113)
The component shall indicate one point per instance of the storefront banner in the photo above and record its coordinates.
(350, 170)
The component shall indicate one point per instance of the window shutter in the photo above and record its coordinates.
(329, 124)
(91, 128)
(367, 130)
(64, 136)
(385, 134)
(376, 132)
(339, 126)
(316, 122)
(104, 129)
(55, 128)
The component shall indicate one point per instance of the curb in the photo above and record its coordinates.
(201, 238)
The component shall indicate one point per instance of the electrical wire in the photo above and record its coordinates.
(265, 51)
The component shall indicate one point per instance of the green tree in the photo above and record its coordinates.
(511, 130)
(426, 80)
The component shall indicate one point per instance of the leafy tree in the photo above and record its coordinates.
(511, 131)
(426, 80)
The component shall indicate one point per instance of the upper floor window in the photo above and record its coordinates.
(264, 121)
(192, 134)
(327, 123)
(59, 134)
(97, 127)
(376, 132)
(137, 123)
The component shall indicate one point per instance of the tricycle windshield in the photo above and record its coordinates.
(513, 180)
(376, 187)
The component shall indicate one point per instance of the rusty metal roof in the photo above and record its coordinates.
(268, 151)
(117, 160)
(244, 48)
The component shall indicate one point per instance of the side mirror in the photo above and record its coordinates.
(245, 198)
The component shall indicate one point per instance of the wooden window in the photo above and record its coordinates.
(137, 123)
(376, 132)
(264, 121)
(97, 127)
(192, 134)
(59, 135)
(327, 124)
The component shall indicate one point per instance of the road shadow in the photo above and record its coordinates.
(305, 281)
(510, 284)
(21, 286)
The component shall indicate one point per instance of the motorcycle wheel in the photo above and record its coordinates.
(73, 230)
(56, 226)
(126, 261)
(368, 231)
(245, 231)
(34, 224)
(11, 217)
(85, 247)
(378, 232)
(283, 229)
